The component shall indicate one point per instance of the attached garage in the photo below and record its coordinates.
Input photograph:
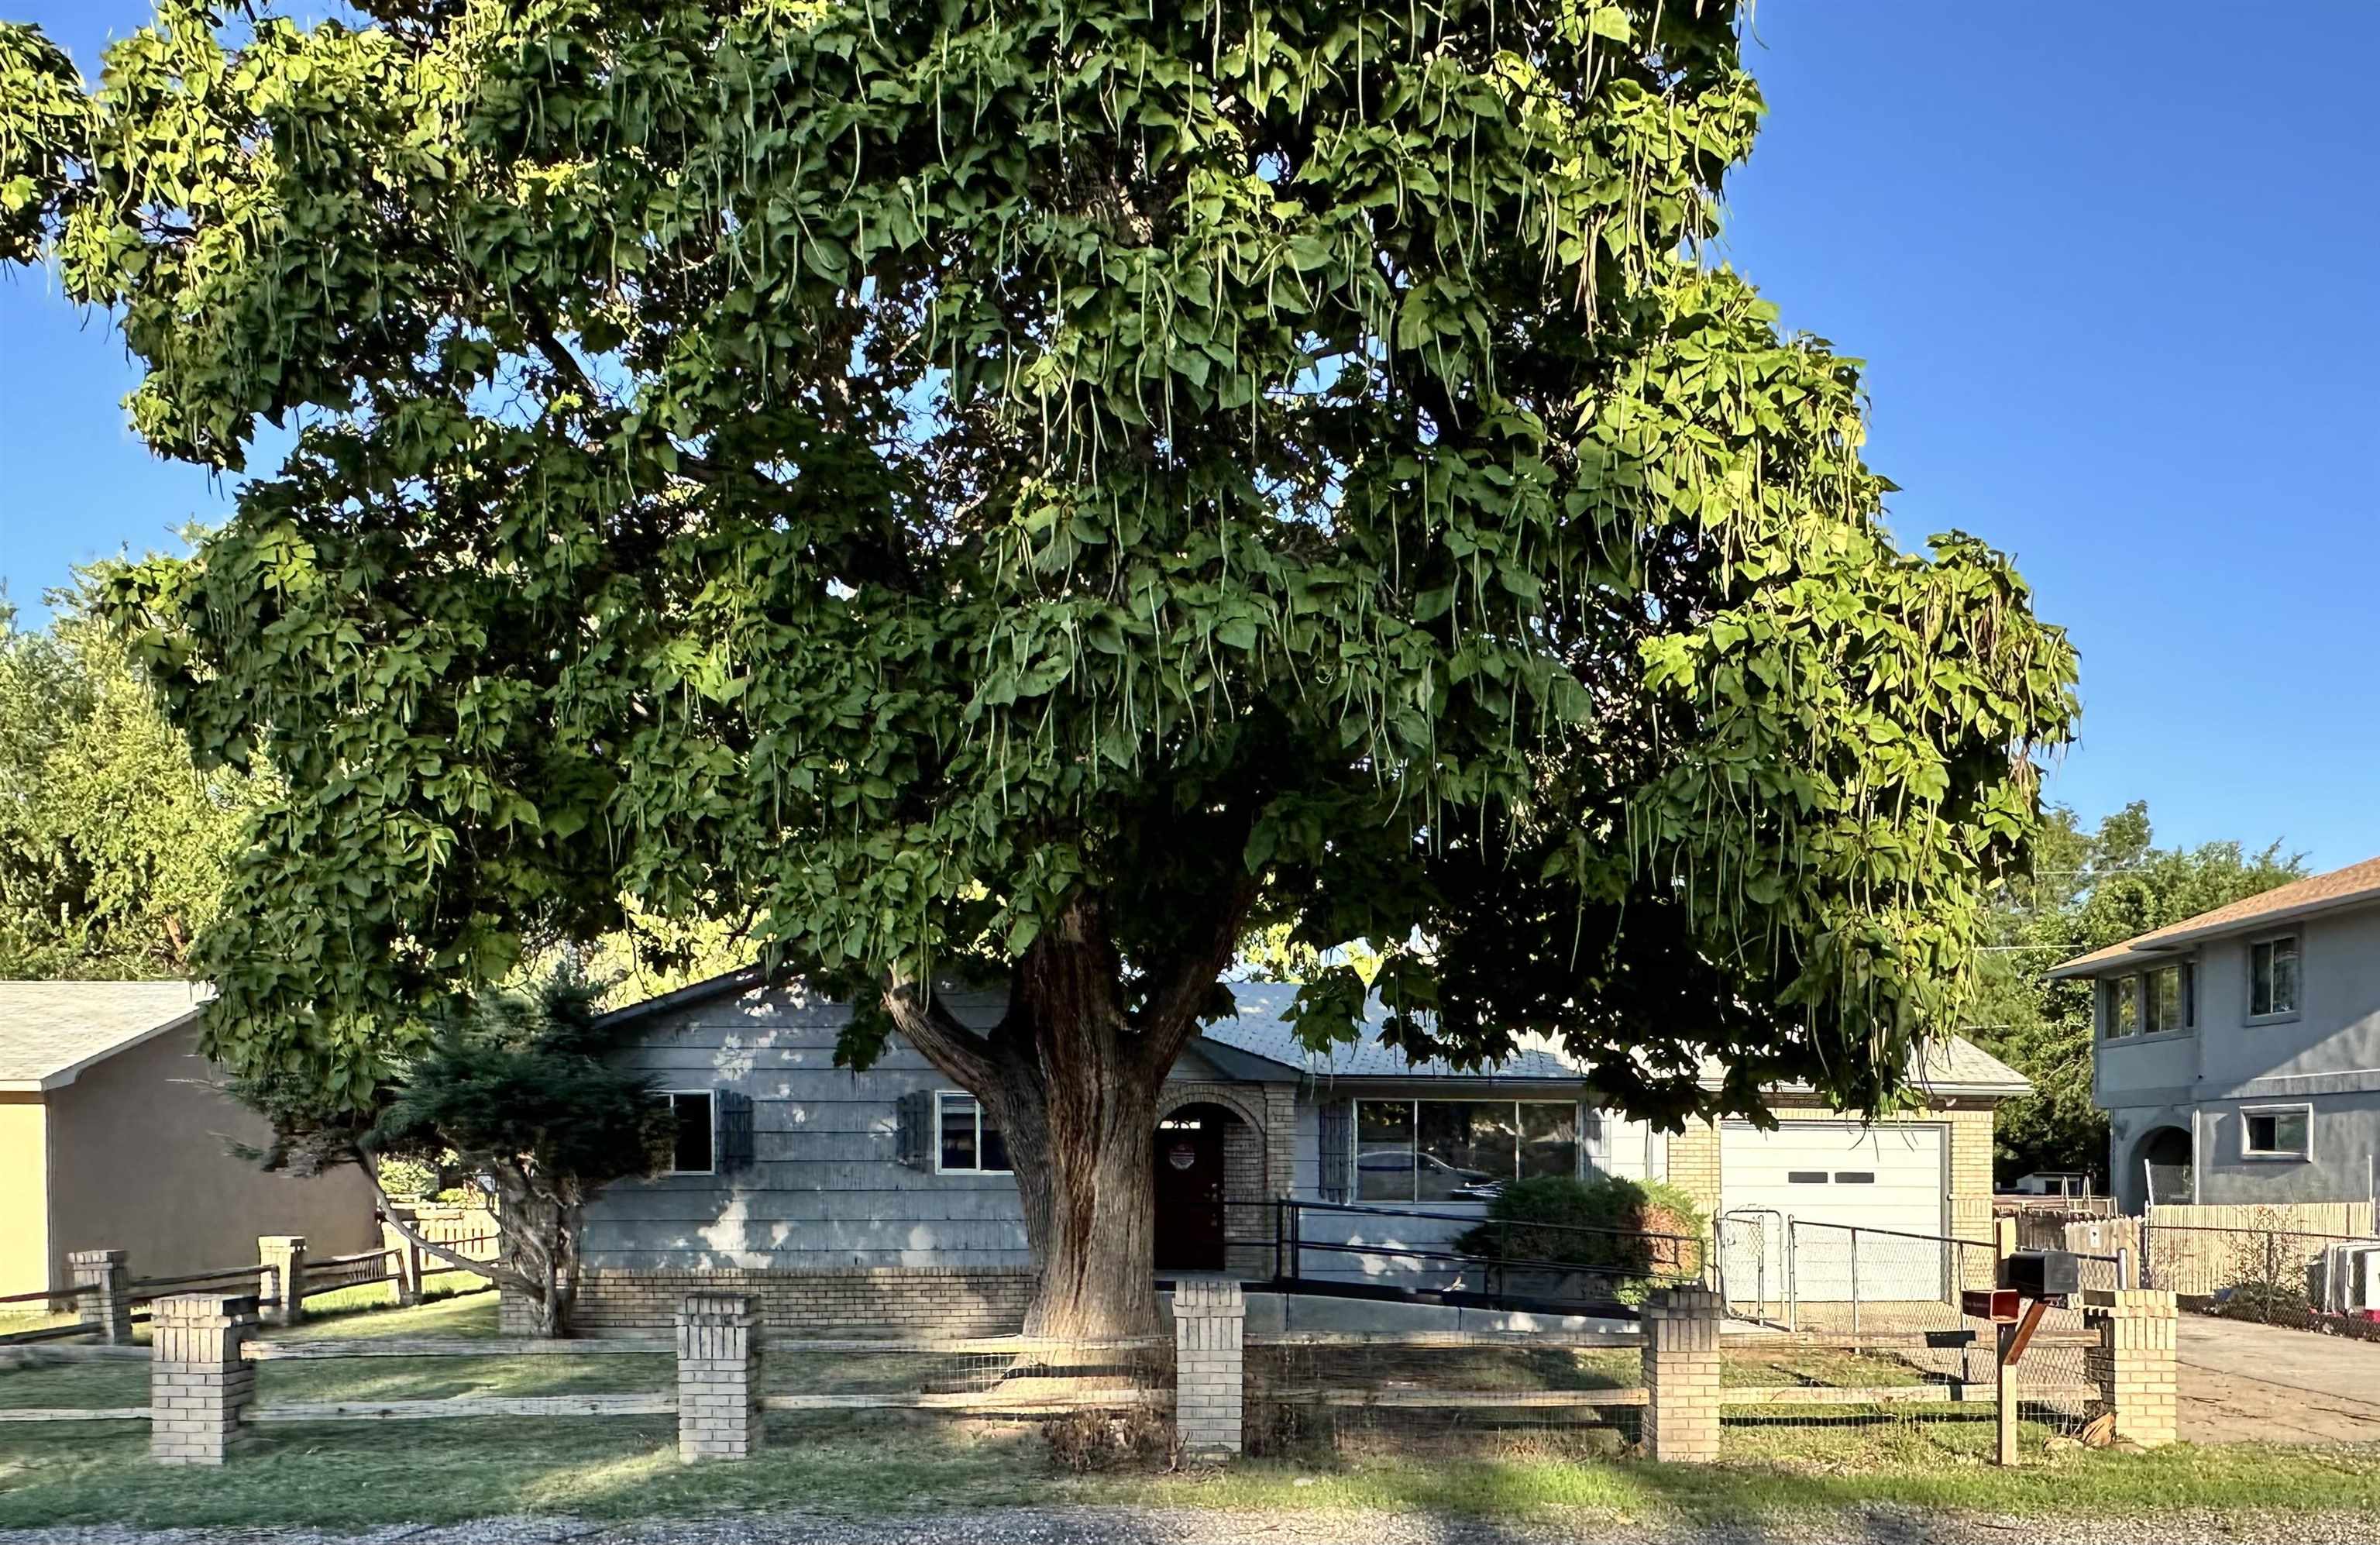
(1891, 1178)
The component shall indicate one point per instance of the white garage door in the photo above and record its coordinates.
(1887, 1177)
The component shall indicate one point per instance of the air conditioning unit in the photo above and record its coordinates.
(2351, 1279)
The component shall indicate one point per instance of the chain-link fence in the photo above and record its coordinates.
(2328, 1281)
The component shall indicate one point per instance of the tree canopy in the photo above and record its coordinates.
(1036, 490)
(2088, 889)
(113, 846)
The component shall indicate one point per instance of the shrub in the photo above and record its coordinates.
(1083, 1442)
(462, 1196)
(407, 1179)
(1534, 1220)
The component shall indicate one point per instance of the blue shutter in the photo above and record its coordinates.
(1338, 1121)
(918, 1134)
(735, 1131)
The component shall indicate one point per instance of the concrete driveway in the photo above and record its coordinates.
(2259, 1383)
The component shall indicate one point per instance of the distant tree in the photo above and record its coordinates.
(516, 1088)
(2086, 891)
(114, 845)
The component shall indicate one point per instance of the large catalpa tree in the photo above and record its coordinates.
(1037, 489)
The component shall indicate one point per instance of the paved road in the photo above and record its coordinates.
(1157, 1527)
(2260, 1383)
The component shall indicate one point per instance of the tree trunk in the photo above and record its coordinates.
(1074, 1082)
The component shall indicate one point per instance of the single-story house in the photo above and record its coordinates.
(884, 1198)
(114, 1135)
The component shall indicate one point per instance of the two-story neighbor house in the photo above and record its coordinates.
(2237, 1053)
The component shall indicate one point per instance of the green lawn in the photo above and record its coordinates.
(360, 1475)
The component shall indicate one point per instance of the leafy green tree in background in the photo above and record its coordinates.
(2087, 890)
(1037, 491)
(113, 847)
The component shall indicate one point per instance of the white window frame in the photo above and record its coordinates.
(934, 1136)
(2285, 1156)
(709, 1103)
(2279, 1016)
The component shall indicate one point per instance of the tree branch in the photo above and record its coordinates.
(938, 1035)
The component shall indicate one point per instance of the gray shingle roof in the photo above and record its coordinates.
(52, 1030)
(1951, 1065)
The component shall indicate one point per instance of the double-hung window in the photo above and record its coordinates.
(970, 1142)
(2273, 976)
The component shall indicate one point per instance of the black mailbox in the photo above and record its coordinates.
(2043, 1273)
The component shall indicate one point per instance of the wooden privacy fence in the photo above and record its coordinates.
(1673, 1380)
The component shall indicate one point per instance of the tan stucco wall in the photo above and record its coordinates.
(1694, 1157)
(24, 1194)
(140, 1161)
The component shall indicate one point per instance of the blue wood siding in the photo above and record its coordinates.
(826, 1188)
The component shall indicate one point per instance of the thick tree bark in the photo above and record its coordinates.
(1074, 1083)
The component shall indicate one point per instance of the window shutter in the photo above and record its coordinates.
(1337, 1118)
(735, 1131)
(916, 1118)
(1595, 1150)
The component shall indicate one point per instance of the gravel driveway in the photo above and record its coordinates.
(1158, 1526)
(2247, 1383)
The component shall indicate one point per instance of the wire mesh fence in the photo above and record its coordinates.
(1474, 1396)
(992, 1379)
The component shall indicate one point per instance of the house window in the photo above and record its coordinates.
(1459, 1149)
(2166, 999)
(2123, 1006)
(690, 1148)
(970, 1143)
(2279, 1133)
(2273, 976)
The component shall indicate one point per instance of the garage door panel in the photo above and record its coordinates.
(1885, 1181)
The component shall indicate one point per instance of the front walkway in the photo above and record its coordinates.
(2243, 1383)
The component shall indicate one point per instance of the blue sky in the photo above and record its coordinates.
(2117, 273)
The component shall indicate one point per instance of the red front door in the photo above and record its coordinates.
(1189, 1161)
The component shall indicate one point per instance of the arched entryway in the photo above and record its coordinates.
(2161, 1168)
(1205, 1153)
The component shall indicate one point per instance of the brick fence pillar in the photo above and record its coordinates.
(718, 1377)
(199, 1383)
(1210, 1322)
(281, 1275)
(1681, 1377)
(2133, 1364)
(105, 1303)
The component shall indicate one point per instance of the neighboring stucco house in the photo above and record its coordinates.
(114, 1136)
(883, 1197)
(2237, 1052)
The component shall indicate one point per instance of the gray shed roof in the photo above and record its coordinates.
(51, 1031)
(1951, 1065)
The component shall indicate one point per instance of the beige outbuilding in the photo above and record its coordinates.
(115, 1135)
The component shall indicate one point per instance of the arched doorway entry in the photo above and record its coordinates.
(2161, 1167)
(1205, 1153)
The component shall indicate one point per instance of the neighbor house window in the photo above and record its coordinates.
(2279, 1133)
(1459, 1149)
(2123, 1006)
(2273, 976)
(691, 1150)
(971, 1144)
(2166, 995)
